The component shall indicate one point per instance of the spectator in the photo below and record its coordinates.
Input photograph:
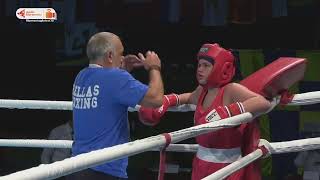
(62, 132)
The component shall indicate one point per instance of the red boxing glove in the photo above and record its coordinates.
(152, 116)
(223, 112)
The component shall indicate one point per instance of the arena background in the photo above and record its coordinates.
(40, 60)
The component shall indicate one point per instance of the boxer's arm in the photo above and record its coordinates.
(190, 98)
(251, 101)
(152, 116)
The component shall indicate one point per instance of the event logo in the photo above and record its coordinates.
(37, 14)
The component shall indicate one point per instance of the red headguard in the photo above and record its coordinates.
(223, 64)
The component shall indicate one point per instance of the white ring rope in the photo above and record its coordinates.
(35, 104)
(87, 160)
(43, 143)
(292, 146)
(306, 98)
(298, 99)
(67, 105)
(273, 148)
(235, 166)
(36, 143)
(94, 158)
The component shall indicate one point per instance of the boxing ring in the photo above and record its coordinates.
(154, 143)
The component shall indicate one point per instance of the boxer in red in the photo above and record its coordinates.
(215, 98)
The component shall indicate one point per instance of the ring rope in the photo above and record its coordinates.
(235, 166)
(97, 157)
(67, 105)
(36, 143)
(298, 99)
(273, 148)
(306, 98)
(35, 104)
(43, 143)
(282, 147)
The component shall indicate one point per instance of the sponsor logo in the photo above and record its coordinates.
(37, 14)
(213, 116)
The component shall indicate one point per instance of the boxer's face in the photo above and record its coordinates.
(203, 71)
